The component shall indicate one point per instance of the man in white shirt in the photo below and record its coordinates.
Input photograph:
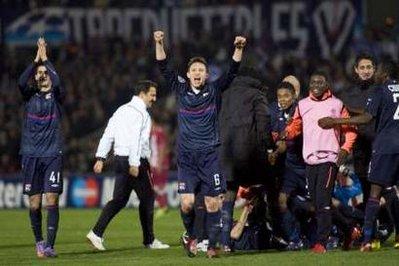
(129, 131)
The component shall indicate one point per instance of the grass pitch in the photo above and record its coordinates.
(123, 240)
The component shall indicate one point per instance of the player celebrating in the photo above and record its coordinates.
(382, 105)
(198, 162)
(41, 146)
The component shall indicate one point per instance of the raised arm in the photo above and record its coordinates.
(239, 44)
(28, 91)
(159, 45)
(58, 90)
(173, 80)
(224, 82)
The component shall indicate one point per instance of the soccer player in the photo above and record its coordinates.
(322, 151)
(382, 105)
(128, 130)
(293, 179)
(198, 139)
(41, 146)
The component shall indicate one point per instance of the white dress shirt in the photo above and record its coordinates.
(129, 130)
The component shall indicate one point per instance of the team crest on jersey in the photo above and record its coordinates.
(182, 186)
(48, 96)
(28, 187)
(205, 94)
(181, 79)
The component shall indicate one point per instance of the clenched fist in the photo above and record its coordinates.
(240, 42)
(158, 36)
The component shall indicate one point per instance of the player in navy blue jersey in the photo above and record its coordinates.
(41, 145)
(198, 139)
(383, 106)
(293, 179)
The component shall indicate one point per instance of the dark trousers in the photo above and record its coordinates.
(321, 179)
(124, 184)
(361, 160)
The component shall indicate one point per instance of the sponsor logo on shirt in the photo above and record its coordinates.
(48, 96)
(205, 94)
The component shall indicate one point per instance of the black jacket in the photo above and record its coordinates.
(245, 130)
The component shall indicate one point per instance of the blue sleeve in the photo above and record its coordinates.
(58, 90)
(224, 81)
(374, 101)
(173, 80)
(26, 90)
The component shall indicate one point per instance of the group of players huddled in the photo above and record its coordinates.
(301, 164)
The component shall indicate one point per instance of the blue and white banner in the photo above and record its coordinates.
(306, 27)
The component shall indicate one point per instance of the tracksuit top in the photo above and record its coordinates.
(320, 145)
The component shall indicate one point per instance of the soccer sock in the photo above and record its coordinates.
(372, 207)
(213, 227)
(52, 224)
(227, 221)
(36, 223)
(289, 226)
(188, 221)
(393, 205)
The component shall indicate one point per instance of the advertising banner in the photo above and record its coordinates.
(307, 27)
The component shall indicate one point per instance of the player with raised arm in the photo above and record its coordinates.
(198, 139)
(41, 146)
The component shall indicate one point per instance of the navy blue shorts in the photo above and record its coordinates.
(200, 171)
(294, 181)
(42, 175)
(384, 169)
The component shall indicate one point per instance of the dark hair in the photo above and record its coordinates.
(39, 64)
(321, 73)
(389, 68)
(197, 59)
(286, 85)
(144, 86)
(364, 56)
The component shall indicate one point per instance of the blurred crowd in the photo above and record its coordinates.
(99, 76)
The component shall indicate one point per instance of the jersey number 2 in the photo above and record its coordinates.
(395, 100)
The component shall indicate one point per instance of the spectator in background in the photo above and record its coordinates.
(159, 161)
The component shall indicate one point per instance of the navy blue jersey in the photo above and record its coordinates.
(41, 130)
(279, 118)
(198, 113)
(383, 105)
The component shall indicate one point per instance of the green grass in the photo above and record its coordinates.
(123, 241)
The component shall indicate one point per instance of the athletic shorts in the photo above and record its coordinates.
(42, 175)
(294, 182)
(200, 171)
(384, 169)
